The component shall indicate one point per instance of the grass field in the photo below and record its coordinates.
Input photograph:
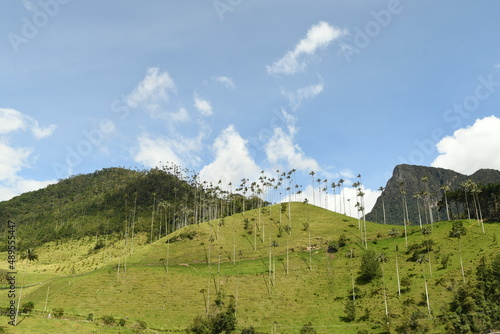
(169, 282)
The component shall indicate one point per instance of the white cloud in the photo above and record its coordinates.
(12, 120)
(180, 115)
(18, 186)
(281, 149)
(12, 160)
(225, 81)
(319, 36)
(175, 148)
(295, 98)
(471, 148)
(156, 152)
(152, 91)
(41, 132)
(232, 161)
(203, 106)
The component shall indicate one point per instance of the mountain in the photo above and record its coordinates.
(411, 179)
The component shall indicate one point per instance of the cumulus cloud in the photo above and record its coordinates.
(11, 120)
(318, 37)
(203, 106)
(281, 149)
(232, 161)
(152, 91)
(471, 148)
(154, 151)
(14, 159)
(295, 98)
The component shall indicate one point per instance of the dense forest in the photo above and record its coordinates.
(121, 201)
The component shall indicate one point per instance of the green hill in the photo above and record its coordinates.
(282, 266)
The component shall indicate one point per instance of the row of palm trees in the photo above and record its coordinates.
(426, 206)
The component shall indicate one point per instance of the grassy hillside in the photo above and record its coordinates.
(167, 283)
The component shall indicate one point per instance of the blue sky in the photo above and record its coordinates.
(232, 87)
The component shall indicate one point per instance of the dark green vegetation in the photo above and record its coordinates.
(117, 201)
(286, 268)
(417, 193)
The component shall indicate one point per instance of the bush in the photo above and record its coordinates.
(249, 330)
(307, 329)
(350, 311)
(122, 322)
(370, 267)
(219, 321)
(343, 240)
(58, 312)
(142, 324)
(108, 320)
(445, 260)
(333, 247)
(27, 307)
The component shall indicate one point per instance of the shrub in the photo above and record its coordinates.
(370, 267)
(350, 311)
(108, 320)
(307, 329)
(333, 247)
(58, 312)
(343, 240)
(27, 307)
(445, 260)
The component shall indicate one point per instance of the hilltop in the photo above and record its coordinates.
(116, 201)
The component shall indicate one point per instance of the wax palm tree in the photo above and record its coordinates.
(319, 190)
(445, 189)
(341, 186)
(381, 189)
(405, 210)
(418, 196)
(334, 187)
(474, 189)
(428, 197)
(312, 175)
(458, 231)
(426, 232)
(382, 258)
